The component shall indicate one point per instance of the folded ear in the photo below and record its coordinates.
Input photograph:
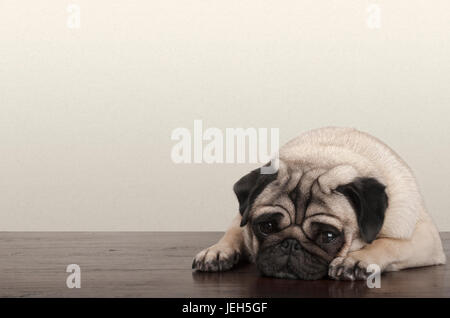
(369, 200)
(248, 188)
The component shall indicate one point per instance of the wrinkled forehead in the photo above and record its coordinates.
(291, 193)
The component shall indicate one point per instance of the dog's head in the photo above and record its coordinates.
(294, 228)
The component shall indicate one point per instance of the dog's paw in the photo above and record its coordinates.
(219, 257)
(348, 268)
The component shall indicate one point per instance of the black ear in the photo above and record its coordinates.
(369, 200)
(248, 188)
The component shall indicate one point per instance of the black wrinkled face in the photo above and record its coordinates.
(290, 252)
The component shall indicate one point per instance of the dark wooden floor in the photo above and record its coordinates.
(142, 264)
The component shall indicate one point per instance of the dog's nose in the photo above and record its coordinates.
(289, 244)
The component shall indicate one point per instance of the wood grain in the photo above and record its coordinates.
(150, 264)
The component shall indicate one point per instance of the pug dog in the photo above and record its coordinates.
(339, 201)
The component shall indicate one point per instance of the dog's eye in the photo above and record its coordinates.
(327, 237)
(266, 227)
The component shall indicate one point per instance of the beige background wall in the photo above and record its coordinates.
(86, 114)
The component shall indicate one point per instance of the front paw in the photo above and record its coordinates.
(348, 268)
(219, 257)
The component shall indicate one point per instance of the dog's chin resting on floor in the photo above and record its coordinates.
(336, 201)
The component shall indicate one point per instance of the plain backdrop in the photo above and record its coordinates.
(86, 114)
